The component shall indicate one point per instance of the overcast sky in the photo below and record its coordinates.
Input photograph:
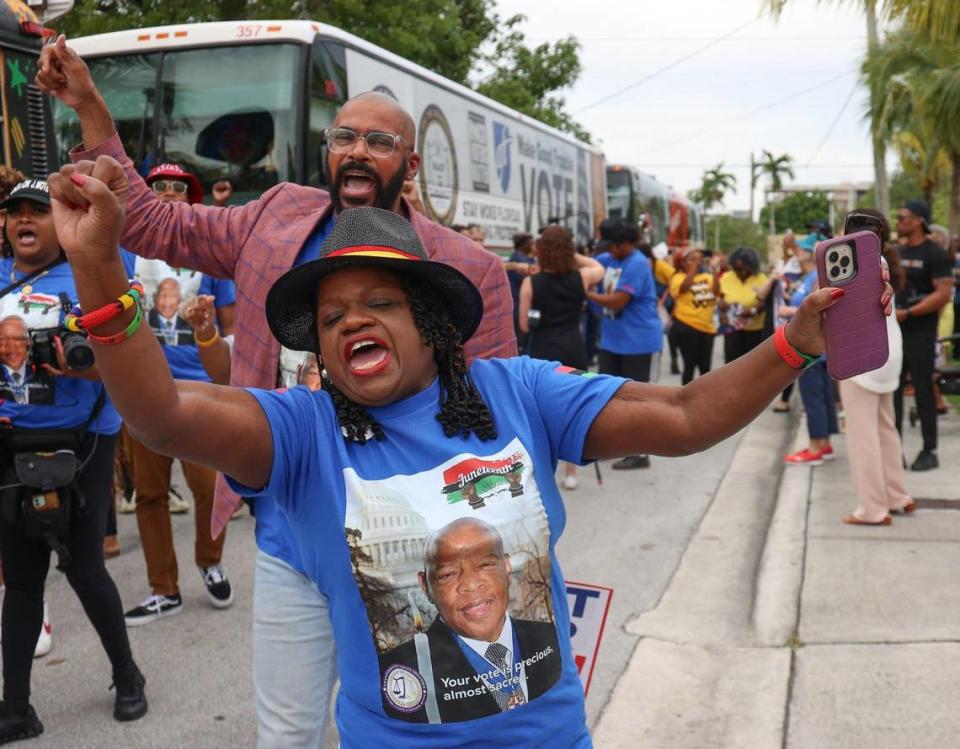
(770, 85)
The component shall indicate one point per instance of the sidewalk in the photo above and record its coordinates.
(783, 627)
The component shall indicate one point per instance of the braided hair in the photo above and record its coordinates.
(462, 409)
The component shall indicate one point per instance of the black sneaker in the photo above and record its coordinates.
(131, 702)
(17, 727)
(926, 460)
(632, 461)
(152, 608)
(218, 586)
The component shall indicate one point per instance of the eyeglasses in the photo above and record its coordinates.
(343, 139)
(162, 185)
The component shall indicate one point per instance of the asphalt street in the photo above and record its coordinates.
(627, 534)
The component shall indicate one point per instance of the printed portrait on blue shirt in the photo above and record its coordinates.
(453, 566)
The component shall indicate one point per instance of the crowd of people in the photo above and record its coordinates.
(331, 353)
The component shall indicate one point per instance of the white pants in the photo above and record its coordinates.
(875, 452)
(294, 658)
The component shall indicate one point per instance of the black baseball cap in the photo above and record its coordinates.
(614, 230)
(365, 238)
(35, 190)
(919, 209)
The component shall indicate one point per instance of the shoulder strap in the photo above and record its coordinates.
(30, 276)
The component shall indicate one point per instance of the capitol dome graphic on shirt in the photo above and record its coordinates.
(392, 536)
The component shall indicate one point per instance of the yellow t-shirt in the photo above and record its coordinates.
(744, 293)
(694, 307)
(663, 272)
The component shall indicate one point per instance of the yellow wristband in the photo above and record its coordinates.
(209, 341)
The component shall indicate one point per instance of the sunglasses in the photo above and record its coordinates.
(162, 185)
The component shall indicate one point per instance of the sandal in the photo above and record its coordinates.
(854, 520)
(781, 408)
(908, 509)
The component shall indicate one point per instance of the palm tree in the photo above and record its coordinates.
(921, 106)
(775, 7)
(938, 19)
(714, 185)
(775, 167)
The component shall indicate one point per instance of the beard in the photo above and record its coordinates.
(385, 195)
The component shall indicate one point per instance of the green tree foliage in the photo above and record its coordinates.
(714, 186)
(796, 211)
(526, 79)
(736, 232)
(446, 36)
(904, 187)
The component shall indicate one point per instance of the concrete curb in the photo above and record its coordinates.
(712, 599)
(713, 668)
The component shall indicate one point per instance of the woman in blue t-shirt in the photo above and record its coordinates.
(422, 495)
(52, 404)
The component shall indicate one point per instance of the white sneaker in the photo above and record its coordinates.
(218, 587)
(126, 506)
(45, 641)
(570, 482)
(177, 504)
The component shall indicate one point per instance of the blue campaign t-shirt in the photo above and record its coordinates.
(365, 515)
(50, 402)
(635, 329)
(167, 290)
(272, 530)
(806, 286)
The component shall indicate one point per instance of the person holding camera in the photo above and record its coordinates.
(67, 410)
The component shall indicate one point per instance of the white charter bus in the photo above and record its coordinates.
(248, 102)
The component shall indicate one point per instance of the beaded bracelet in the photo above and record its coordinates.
(209, 342)
(112, 340)
(79, 322)
(790, 353)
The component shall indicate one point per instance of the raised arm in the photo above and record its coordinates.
(201, 237)
(591, 271)
(220, 427)
(643, 418)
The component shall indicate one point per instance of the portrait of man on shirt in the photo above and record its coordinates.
(482, 660)
(21, 381)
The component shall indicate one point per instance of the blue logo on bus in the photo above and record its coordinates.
(501, 147)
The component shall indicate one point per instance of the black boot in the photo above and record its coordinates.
(131, 702)
(16, 727)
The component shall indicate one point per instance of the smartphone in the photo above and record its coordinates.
(855, 327)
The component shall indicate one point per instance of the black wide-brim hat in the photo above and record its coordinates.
(365, 238)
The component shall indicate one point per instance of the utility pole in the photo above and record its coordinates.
(753, 183)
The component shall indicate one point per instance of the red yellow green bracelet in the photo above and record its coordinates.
(112, 340)
(79, 322)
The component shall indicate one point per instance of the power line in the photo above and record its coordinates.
(755, 111)
(667, 67)
(846, 103)
(644, 165)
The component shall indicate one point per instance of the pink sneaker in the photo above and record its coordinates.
(804, 457)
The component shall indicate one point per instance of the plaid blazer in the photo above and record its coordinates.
(256, 243)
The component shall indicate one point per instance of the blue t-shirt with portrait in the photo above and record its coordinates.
(413, 670)
(167, 290)
(636, 328)
(49, 402)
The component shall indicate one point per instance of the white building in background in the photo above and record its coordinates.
(843, 197)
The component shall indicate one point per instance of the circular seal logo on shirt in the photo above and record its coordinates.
(404, 688)
(439, 176)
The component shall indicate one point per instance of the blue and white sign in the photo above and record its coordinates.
(501, 149)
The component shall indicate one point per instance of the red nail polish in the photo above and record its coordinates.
(837, 293)
(78, 179)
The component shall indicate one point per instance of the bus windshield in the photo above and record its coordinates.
(220, 112)
(619, 194)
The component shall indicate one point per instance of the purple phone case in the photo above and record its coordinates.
(855, 327)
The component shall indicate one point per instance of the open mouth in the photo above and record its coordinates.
(27, 237)
(366, 356)
(357, 187)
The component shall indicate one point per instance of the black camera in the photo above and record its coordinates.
(76, 348)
